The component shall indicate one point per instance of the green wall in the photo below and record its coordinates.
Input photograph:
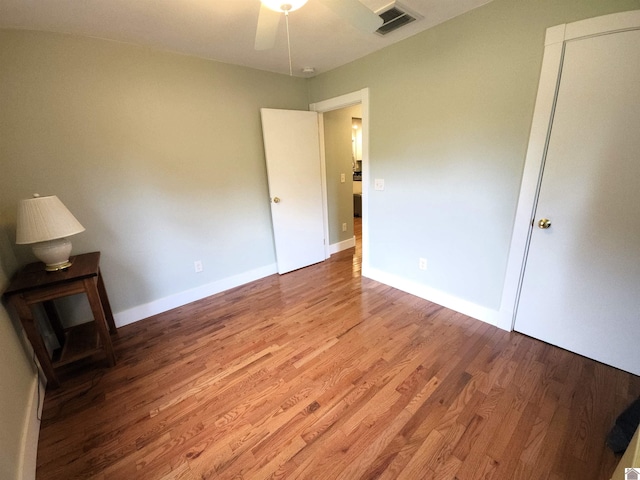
(450, 112)
(158, 155)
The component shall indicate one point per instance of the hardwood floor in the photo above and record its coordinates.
(322, 374)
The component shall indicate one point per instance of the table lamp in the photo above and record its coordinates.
(44, 222)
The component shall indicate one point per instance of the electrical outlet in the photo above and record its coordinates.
(197, 265)
(344, 227)
(422, 263)
(378, 184)
(343, 178)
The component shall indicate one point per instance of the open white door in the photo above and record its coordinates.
(292, 149)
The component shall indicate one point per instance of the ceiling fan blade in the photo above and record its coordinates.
(268, 22)
(355, 13)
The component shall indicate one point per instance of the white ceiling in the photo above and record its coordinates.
(225, 30)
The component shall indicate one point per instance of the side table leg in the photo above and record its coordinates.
(28, 323)
(106, 306)
(90, 286)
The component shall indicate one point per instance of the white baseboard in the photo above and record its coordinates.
(179, 299)
(431, 294)
(343, 245)
(452, 302)
(27, 471)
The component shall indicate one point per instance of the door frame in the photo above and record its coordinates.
(347, 100)
(550, 75)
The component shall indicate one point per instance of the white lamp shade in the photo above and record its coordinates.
(44, 218)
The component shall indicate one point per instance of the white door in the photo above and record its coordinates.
(581, 283)
(292, 149)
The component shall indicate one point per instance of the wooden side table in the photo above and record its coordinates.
(34, 285)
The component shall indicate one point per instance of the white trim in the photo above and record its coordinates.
(343, 245)
(449, 301)
(366, 179)
(538, 141)
(179, 299)
(614, 22)
(360, 97)
(29, 447)
(555, 35)
(323, 182)
(346, 100)
(540, 129)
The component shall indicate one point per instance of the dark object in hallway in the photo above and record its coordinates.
(357, 205)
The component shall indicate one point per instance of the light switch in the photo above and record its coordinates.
(378, 184)
(343, 178)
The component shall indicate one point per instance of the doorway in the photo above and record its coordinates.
(360, 98)
(343, 161)
(356, 149)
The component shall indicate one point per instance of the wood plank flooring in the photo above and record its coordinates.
(322, 374)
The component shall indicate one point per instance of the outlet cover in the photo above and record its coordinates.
(197, 265)
(378, 184)
(422, 264)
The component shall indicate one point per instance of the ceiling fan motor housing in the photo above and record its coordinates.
(280, 6)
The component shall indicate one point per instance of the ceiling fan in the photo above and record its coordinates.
(271, 12)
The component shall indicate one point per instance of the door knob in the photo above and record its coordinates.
(544, 223)
(276, 200)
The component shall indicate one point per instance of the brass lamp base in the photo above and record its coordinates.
(57, 266)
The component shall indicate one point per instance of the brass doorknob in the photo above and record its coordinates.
(544, 223)
(276, 200)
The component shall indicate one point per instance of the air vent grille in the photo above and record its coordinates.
(393, 19)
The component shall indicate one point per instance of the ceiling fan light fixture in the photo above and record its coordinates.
(283, 5)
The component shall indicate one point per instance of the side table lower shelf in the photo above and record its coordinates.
(81, 341)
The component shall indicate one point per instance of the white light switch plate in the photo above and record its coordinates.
(378, 184)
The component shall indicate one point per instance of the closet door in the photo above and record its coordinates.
(581, 283)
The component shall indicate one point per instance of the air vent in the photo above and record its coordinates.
(395, 18)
